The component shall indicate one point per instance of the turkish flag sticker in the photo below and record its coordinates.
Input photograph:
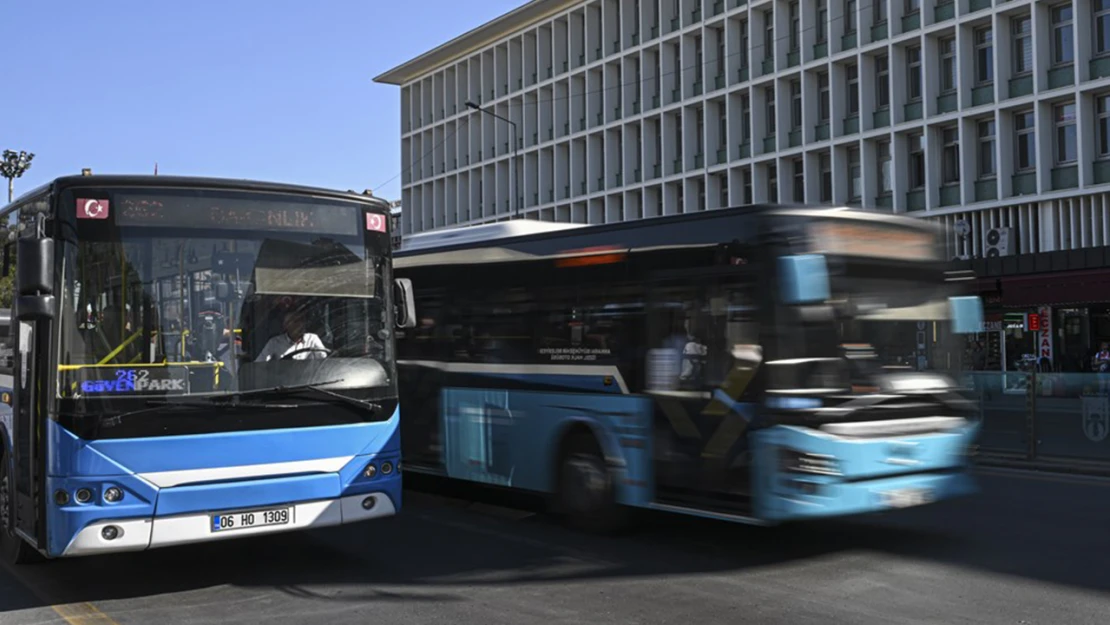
(375, 222)
(92, 209)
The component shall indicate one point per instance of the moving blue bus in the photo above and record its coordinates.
(195, 360)
(757, 364)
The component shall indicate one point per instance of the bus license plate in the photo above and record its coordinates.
(907, 497)
(254, 518)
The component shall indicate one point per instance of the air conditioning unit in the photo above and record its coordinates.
(1000, 242)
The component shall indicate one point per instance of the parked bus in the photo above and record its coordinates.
(757, 364)
(194, 360)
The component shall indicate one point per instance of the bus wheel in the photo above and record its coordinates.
(586, 495)
(13, 548)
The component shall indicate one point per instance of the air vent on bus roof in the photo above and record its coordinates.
(482, 232)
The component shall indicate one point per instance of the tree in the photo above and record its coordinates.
(14, 165)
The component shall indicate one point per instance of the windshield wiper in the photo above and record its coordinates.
(155, 405)
(316, 387)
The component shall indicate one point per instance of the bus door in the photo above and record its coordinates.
(703, 356)
(31, 356)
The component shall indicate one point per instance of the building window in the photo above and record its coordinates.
(913, 6)
(745, 118)
(855, 179)
(886, 181)
(769, 98)
(913, 73)
(878, 10)
(1024, 126)
(822, 26)
(744, 44)
(849, 17)
(1102, 107)
(917, 161)
(772, 183)
(768, 34)
(950, 155)
(795, 104)
(1102, 26)
(984, 55)
(987, 163)
(1063, 34)
(852, 72)
(795, 26)
(826, 177)
(1067, 145)
(799, 180)
(1023, 45)
(948, 64)
(882, 81)
(824, 110)
(746, 182)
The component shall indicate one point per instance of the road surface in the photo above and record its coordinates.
(1029, 549)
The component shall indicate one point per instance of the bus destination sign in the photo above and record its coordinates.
(860, 238)
(236, 213)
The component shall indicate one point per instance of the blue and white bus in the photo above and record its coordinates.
(757, 364)
(195, 360)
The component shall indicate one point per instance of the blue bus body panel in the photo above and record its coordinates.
(511, 438)
(870, 471)
(74, 463)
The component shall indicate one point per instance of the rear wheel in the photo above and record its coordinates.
(12, 547)
(586, 494)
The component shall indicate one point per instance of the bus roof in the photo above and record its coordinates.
(502, 243)
(193, 182)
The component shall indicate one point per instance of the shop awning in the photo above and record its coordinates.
(1067, 288)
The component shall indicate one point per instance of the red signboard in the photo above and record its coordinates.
(1034, 322)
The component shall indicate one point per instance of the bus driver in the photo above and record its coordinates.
(293, 339)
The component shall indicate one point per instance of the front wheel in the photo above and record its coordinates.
(12, 547)
(586, 495)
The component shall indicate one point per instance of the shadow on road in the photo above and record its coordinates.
(1037, 529)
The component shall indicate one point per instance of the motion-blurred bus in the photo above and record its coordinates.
(757, 364)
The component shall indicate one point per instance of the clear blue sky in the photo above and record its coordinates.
(274, 90)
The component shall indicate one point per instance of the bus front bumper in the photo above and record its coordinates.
(138, 534)
(810, 498)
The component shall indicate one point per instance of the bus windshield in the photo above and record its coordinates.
(895, 323)
(268, 295)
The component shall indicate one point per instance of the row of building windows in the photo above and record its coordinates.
(419, 98)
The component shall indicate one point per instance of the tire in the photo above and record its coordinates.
(13, 549)
(586, 492)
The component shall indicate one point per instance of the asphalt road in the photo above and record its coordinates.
(1029, 549)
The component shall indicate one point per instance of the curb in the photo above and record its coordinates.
(1097, 469)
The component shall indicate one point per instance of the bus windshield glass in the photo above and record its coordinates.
(201, 292)
(889, 324)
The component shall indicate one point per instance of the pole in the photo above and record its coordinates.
(11, 189)
(516, 155)
(517, 200)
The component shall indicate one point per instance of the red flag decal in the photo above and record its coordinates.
(92, 209)
(375, 222)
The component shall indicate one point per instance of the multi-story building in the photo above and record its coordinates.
(991, 117)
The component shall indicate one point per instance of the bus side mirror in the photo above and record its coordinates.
(805, 279)
(404, 303)
(966, 313)
(35, 279)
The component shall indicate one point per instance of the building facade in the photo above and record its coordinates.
(992, 118)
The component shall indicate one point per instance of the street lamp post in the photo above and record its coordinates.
(516, 161)
(12, 166)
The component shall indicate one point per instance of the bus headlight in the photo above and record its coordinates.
(387, 468)
(83, 495)
(793, 461)
(113, 494)
(370, 470)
